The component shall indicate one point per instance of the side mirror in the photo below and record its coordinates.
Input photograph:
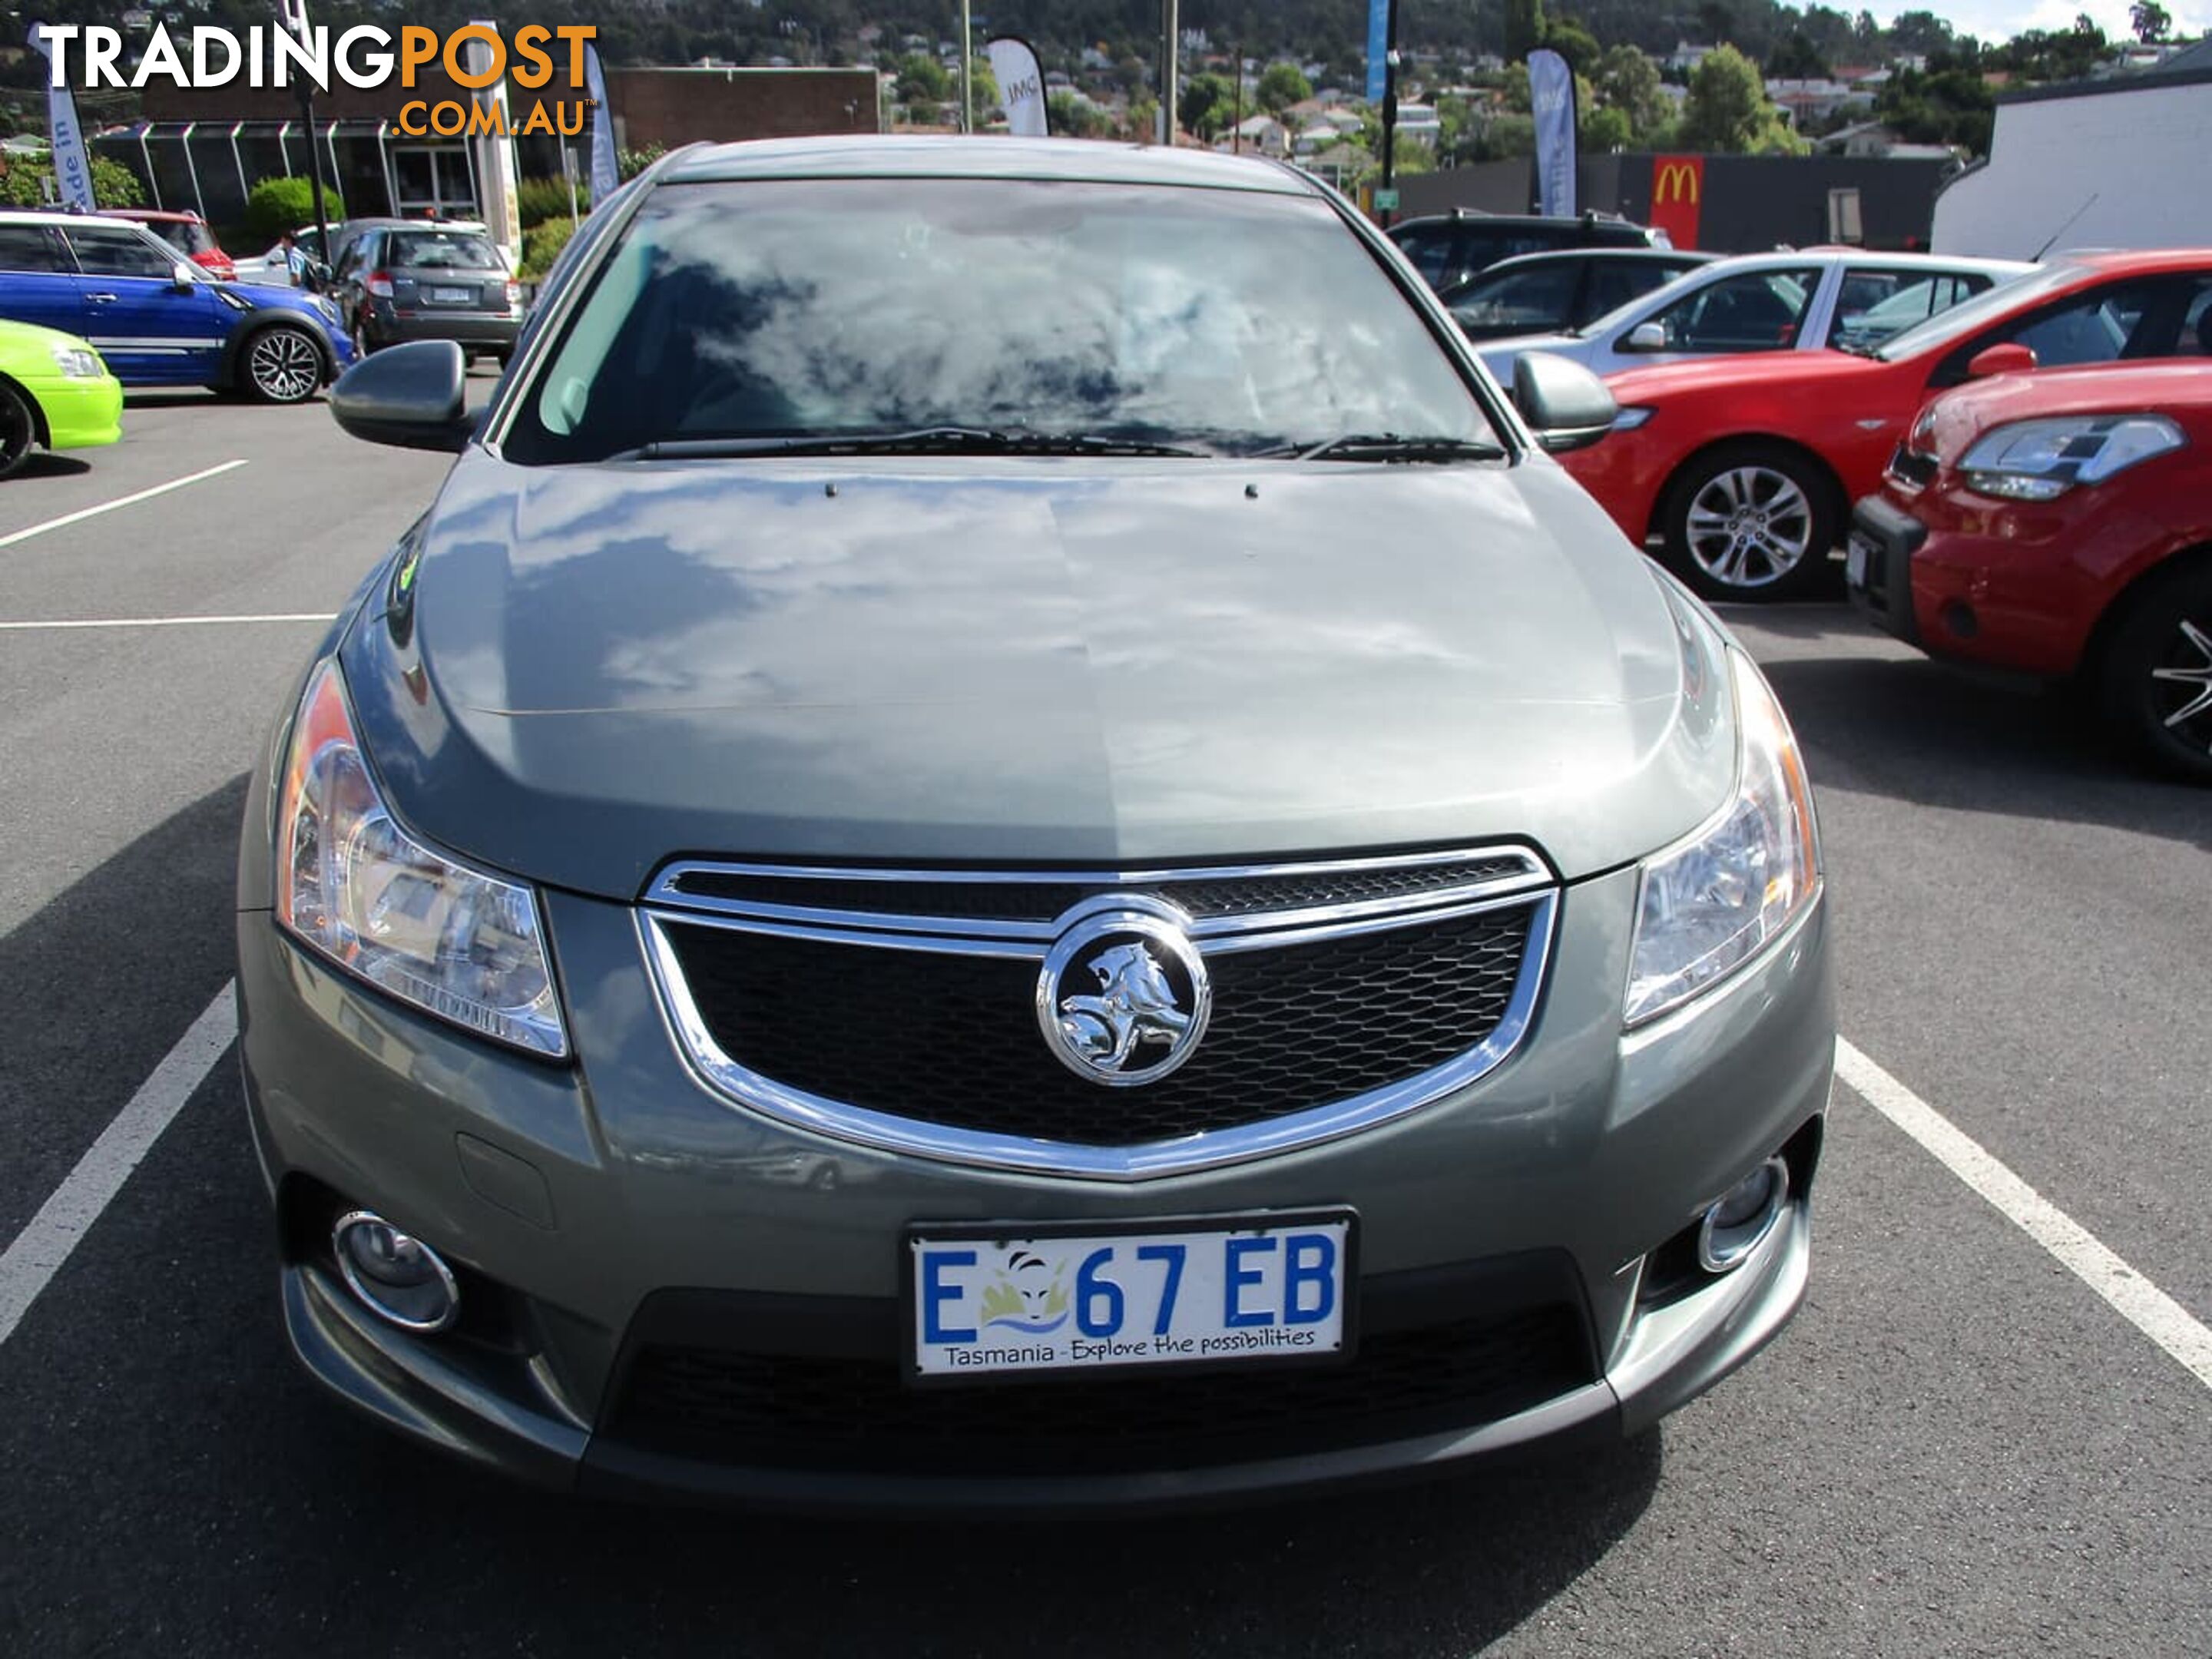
(2007, 358)
(182, 276)
(1565, 405)
(1646, 336)
(412, 396)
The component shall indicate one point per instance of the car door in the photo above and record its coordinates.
(1761, 310)
(153, 330)
(37, 279)
(358, 259)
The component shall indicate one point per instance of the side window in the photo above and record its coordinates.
(2196, 339)
(2094, 327)
(360, 253)
(1614, 283)
(32, 247)
(1757, 311)
(118, 253)
(1430, 253)
(1522, 300)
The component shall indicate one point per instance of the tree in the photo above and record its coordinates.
(1606, 129)
(28, 182)
(1282, 85)
(1627, 81)
(2150, 21)
(1716, 19)
(1573, 42)
(1727, 110)
(1797, 59)
(1076, 117)
(922, 80)
(1524, 28)
(1207, 105)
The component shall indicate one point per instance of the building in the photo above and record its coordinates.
(2115, 163)
(205, 149)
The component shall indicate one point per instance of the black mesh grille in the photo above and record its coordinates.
(1913, 468)
(953, 1039)
(1046, 898)
(775, 1410)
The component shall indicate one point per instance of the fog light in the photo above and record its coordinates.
(1740, 1223)
(397, 1278)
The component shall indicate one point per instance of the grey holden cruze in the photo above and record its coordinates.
(1005, 842)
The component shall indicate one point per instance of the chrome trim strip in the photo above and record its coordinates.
(838, 1120)
(666, 891)
(1260, 932)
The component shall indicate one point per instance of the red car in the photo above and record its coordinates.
(2060, 524)
(185, 232)
(1747, 465)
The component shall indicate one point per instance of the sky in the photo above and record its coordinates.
(2000, 19)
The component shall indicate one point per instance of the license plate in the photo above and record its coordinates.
(454, 296)
(1859, 552)
(1255, 1290)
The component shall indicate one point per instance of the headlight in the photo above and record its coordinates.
(1708, 904)
(351, 883)
(78, 364)
(2039, 460)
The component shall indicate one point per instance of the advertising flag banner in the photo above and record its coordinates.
(1014, 66)
(1678, 191)
(605, 175)
(1378, 47)
(72, 169)
(1551, 96)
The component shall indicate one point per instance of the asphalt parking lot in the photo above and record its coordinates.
(1963, 1445)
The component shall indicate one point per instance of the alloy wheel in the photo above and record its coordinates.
(1749, 527)
(2181, 689)
(284, 366)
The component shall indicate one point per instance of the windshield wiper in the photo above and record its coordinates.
(919, 441)
(1388, 447)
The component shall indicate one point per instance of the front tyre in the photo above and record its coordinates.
(284, 365)
(1751, 521)
(2155, 675)
(19, 431)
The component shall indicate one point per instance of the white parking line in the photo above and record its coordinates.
(2136, 1300)
(167, 622)
(82, 513)
(39, 1249)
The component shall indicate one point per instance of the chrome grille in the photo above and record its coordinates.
(1344, 993)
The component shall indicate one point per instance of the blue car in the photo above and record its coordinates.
(157, 318)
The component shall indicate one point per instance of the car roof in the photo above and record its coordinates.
(1520, 220)
(167, 215)
(2149, 262)
(1629, 256)
(935, 155)
(56, 217)
(1795, 259)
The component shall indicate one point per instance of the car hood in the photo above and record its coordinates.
(2183, 389)
(281, 294)
(575, 673)
(1745, 370)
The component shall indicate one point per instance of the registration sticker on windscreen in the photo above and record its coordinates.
(1233, 1291)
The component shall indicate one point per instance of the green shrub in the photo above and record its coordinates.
(629, 163)
(277, 205)
(540, 199)
(541, 246)
(28, 182)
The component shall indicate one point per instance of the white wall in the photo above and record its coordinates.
(2118, 169)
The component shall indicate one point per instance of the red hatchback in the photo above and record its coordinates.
(1747, 465)
(185, 232)
(2060, 524)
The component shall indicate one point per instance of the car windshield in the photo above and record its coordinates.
(442, 250)
(1963, 318)
(1217, 320)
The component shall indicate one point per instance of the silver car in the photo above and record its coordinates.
(1005, 842)
(1810, 300)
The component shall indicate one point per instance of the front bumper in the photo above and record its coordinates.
(80, 413)
(607, 1213)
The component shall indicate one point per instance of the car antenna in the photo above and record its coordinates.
(2064, 228)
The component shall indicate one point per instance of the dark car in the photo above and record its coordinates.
(1448, 248)
(871, 909)
(159, 319)
(1550, 292)
(428, 282)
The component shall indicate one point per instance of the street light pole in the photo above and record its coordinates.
(293, 14)
(1390, 110)
(967, 70)
(1171, 50)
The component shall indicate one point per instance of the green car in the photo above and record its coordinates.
(54, 391)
